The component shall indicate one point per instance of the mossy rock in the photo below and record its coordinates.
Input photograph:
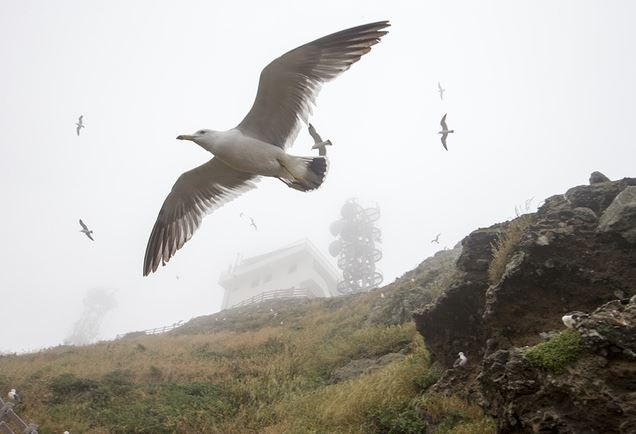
(555, 354)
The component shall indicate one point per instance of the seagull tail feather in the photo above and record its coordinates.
(305, 173)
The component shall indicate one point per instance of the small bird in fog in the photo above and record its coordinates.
(85, 230)
(80, 124)
(461, 360)
(318, 142)
(436, 239)
(441, 90)
(256, 147)
(13, 395)
(445, 131)
(252, 223)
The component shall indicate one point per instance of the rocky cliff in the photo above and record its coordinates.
(504, 307)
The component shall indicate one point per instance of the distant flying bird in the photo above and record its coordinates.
(441, 90)
(80, 124)
(445, 131)
(436, 239)
(256, 147)
(13, 395)
(318, 142)
(85, 230)
(252, 223)
(461, 360)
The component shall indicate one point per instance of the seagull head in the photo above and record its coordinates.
(200, 135)
(203, 138)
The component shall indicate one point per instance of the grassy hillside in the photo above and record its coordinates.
(265, 369)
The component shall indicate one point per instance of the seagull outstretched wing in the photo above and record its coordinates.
(83, 225)
(289, 85)
(196, 193)
(443, 123)
(444, 141)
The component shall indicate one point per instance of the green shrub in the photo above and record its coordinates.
(555, 354)
(395, 421)
(68, 386)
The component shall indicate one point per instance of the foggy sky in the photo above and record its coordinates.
(540, 94)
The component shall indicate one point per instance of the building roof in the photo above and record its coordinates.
(253, 263)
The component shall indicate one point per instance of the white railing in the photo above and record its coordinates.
(271, 295)
(155, 331)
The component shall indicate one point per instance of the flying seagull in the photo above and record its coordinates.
(436, 239)
(445, 131)
(318, 142)
(256, 147)
(441, 90)
(85, 230)
(252, 223)
(461, 360)
(80, 124)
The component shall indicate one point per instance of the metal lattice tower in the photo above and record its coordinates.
(356, 248)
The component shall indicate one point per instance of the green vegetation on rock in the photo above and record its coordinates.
(555, 354)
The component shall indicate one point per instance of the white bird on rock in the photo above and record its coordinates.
(287, 89)
(13, 395)
(571, 319)
(461, 360)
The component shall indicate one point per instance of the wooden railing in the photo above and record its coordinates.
(8, 415)
(271, 295)
(155, 331)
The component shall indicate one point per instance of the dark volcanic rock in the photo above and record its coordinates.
(597, 197)
(453, 324)
(620, 216)
(565, 261)
(596, 394)
(598, 177)
(415, 288)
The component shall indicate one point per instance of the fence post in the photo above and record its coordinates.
(4, 428)
(6, 411)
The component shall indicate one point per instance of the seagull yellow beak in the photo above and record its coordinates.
(185, 137)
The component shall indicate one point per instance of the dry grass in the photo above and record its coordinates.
(239, 379)
(505, 244)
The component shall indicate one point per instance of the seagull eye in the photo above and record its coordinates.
(201, 132)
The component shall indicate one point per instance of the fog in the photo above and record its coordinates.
(540, 94)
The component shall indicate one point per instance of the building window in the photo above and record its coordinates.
(267, 278)
(293, 268)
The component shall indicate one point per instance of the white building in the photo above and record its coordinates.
(298, 270)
